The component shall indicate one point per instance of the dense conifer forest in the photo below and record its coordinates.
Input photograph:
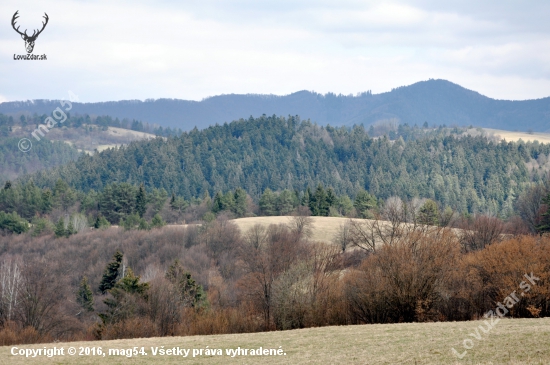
(468, 174)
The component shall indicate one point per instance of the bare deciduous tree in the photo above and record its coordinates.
(530, 206)
(342, 237)
(480, 232)
(301, 222)
(10, 280)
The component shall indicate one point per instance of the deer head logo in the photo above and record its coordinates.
(29, 40)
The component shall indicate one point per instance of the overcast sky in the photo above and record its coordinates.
(113, 50)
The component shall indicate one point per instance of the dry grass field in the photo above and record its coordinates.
(323, 228)
(97, 138)
(511, 341)
(511, 136)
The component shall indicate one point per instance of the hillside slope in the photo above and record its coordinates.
(517, 341)
(434, 101)
(466, 173)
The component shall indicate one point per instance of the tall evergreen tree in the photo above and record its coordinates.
(70, 229)
(267, 202)
(60, 230)
(217, 202)
(141, 201)
(285, 202)
(84, 296)
(240, 206)
(47, 201)
(318, 202)
(190, 293)
(429, 213)
(111, 273)
(364, 203)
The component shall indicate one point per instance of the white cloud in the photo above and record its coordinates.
(143, 49)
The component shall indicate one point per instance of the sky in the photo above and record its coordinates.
(119, 50)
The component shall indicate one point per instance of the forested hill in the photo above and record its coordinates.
(463, 172)
(436, 102)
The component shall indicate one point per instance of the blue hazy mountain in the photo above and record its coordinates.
(434, 101)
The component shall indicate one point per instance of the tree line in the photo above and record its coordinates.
(64, 210)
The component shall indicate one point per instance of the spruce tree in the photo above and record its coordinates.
(157, 221)
(240, 202)
(364, 202)
(267, 202)
(47, 201)
(60, 230)
(101, 222)
(111, 273)
(217, 202)
(85, 296)
(429, 213)
(318, 202)
(70, 229)
(141, 201)
(191, 294)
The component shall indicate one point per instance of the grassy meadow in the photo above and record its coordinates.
(323, 228)
(515, 136)
(511, 341)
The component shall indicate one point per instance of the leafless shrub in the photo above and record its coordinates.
(529, 206)
(342, 238)
(479, 232)
(301, 222)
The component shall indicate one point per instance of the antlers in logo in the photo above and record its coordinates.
(29, 40)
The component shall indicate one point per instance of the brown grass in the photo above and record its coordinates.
(515, 136)
(323, 228)
(511, 341)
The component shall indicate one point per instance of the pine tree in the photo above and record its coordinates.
(157, 221)
(130, 283)
(267, 202)
(285, 202)
(173, 201)
(228, 201)
(64, 196)
(364, 202)
(70, 229)
(240, 202)
(217, 202)
(318, 202)
(121, 305)
(111, 273)
(331, 197)
(85, 296)
(306, 197)
(429, 213)
(143, 226)
(141, 201)
(47, 201)
(130, 222)
(60, 230)
(101, 222)
(191, 294)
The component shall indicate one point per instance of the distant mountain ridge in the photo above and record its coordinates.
(434, 101)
